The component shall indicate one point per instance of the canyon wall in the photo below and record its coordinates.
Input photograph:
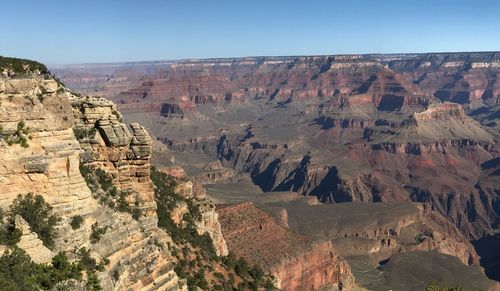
(49, 137)
(296, 263)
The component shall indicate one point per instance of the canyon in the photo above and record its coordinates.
(410, 140)
(345, 172)
(115, 217)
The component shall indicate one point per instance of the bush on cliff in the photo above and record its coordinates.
(76, 222)
(84, 132)
(19, 136)
(21, 66)
(38, 214)
(18, 272)
(9, 235)
(97, 233)
(198, 260)
(102, 188)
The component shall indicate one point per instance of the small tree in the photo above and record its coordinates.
(76, 222)
(97, 233)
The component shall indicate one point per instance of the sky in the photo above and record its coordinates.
(92, 31)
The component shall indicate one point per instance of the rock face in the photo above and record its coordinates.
(210, 224)
(380, 230)
(62, 131)
(297, 263)
(31, 244)
(49, 166)
(123, 154)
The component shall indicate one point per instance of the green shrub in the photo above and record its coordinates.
(97, 233)
(242, 268)
(9, 234)
(76, 222)
(87, 262)
(83, 132)
(18, 272)
(136, 213)
(19, 136)
(101, 185)
(90, 265)
(21, 66)
(38, 214)
(93, 282)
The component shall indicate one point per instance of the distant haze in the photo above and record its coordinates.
(62, 32)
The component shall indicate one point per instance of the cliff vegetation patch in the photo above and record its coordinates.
(19, 136)
(102, 188)
(19, 272)
(21, 66)
(38, 214)
(196, 257)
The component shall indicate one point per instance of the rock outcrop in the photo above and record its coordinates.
(296, 263)
(119, 152)
(210, 224)
(31, 244)
(49, 166)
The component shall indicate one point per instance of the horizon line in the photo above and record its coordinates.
(265, 56)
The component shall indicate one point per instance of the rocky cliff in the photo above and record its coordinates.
(77, 154)
(297, 263)
(49, 165)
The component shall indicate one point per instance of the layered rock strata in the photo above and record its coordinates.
(297, 263)
(49, 166)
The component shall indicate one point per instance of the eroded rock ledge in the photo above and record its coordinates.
(49, 166)
(296, 262)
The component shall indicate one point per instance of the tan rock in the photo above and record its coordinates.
(184, 188)
(31, 244)
(50, 167)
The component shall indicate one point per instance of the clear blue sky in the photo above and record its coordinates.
(71, 31)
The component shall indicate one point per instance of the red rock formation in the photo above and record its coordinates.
(297, 263)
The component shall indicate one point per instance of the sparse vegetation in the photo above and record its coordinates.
(76, 222)
(101, 185)
(84, 132)
(167, 199)
(19, 136)
(38, 214)
(90, 265)
(436, 287)
(195, 253)
(97, 233)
